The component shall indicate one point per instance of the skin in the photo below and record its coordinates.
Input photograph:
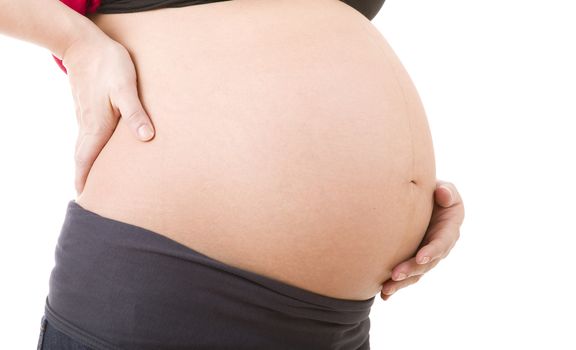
(441, 236)
(103, 91)
(106, 90)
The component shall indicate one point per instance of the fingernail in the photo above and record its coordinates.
(449, 193)
(388, 291)
(145, 132)
(425, 260)
(400, 277)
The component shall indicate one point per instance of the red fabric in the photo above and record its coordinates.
(83, 7)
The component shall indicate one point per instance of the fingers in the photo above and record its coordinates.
(95, 126)
(390, 288)
(444, 228)
(128, 103)
(405, 274)
(442, 239)
(446, 195)
(441, 236)
(411, 268)
(88, 146)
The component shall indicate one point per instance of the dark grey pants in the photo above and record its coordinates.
(117, 286)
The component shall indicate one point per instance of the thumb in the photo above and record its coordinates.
(132, 111)
(444, 195)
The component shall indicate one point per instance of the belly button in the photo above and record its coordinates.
(413, 182)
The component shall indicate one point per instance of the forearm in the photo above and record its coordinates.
(48, 23)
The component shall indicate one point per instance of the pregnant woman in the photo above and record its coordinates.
(289, 179)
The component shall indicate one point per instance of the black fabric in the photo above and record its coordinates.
(368, 8)
(116, 286)
(127, 6)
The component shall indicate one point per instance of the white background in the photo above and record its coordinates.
(498, 81)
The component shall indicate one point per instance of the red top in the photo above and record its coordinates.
(83, 7)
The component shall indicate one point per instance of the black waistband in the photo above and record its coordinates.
(127, 6)
(369, 8)
(120, 286)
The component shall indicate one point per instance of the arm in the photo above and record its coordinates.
(47, 23)
(102, 73)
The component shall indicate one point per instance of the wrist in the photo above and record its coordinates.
(84, 46)
(79, 29)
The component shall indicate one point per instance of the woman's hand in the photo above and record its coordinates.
(102, 77)
(441, 235)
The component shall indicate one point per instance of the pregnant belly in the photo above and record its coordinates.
(290, 141)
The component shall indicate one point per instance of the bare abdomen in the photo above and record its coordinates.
(289, 142)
